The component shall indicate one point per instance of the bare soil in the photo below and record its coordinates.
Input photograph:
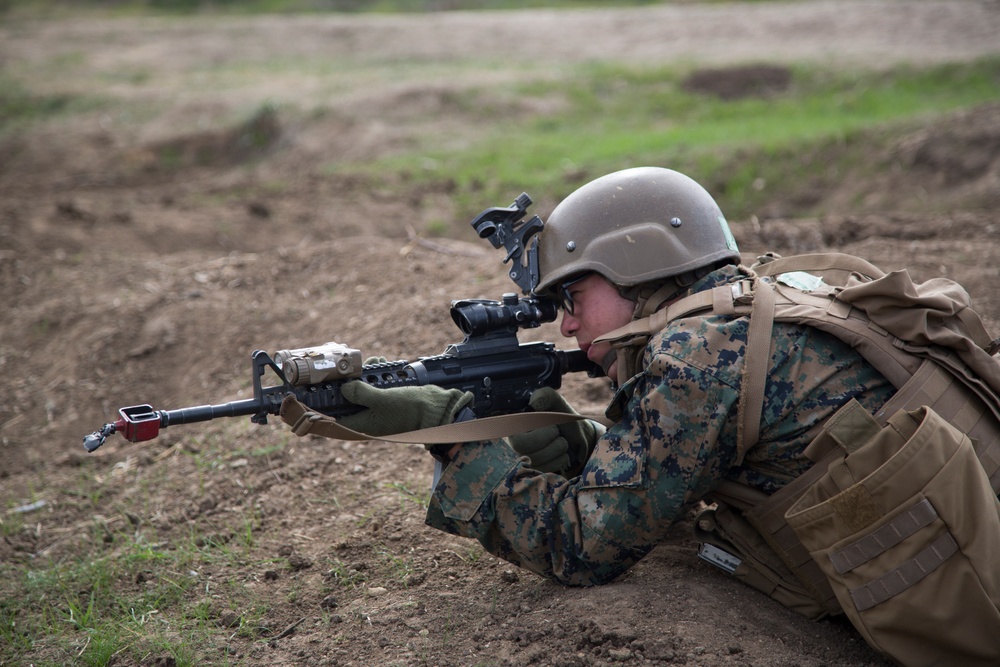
(125, 281)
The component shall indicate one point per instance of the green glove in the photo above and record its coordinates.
(401, 409)
(561, 449)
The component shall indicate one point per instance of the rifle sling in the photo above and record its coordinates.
(305, 421)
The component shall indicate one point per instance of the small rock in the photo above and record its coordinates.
(259, 210)
(229, 619)
(296, 563)
(206, 504)
(620, 654)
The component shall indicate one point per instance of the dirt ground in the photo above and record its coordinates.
(126, 282)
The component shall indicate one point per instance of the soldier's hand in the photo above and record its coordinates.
(401, 409)
(561, 449)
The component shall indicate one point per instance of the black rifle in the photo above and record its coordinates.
(500, 372)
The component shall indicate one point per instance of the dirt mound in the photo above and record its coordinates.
(733, 83)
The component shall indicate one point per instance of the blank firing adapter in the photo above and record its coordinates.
(313, 365)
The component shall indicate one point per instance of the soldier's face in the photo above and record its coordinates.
(597, 309)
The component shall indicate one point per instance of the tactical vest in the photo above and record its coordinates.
(924, 338)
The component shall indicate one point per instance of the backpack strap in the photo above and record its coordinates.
(770, 265)
(756, 363)
(645, 327)
(752, 297)
(624, 340)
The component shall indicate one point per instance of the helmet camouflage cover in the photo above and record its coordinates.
(634, 226)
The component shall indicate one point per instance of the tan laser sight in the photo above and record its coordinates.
(313, 365)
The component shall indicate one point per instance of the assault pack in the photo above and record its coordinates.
(897, 524)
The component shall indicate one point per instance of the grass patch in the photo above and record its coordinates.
(124, 600)
(88, 610)
(608, 117)
(19, 104)
(134, 585)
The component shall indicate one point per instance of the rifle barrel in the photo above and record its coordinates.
(202, 413)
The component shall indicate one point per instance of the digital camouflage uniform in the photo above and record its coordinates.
(673, 440)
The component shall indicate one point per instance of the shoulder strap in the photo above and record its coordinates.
(645, 327)
(751, 297)
(756, 364)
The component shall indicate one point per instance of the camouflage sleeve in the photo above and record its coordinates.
(674, 439)
(662, 455)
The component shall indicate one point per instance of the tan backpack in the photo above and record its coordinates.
(898, 523)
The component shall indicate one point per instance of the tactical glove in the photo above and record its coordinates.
(401, 409)
(561, 449)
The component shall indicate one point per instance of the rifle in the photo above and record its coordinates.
(500, 372)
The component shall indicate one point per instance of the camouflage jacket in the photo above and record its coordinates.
(674, 439)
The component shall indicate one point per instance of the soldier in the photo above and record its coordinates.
(580, 504)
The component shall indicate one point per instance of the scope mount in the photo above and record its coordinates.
(504, 226)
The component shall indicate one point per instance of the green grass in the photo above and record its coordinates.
(131, 602)
(610, 117)
(17, 103)
(90, 609)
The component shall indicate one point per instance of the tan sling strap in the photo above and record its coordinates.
(305, 421)
(636, 333)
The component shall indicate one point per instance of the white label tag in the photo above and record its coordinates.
(719, 558)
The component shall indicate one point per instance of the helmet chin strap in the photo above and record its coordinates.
(609, 358)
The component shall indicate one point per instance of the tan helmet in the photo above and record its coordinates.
(632, 227)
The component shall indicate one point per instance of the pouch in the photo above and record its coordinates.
(907, 529)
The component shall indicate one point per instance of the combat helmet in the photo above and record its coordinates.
(634, 226)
